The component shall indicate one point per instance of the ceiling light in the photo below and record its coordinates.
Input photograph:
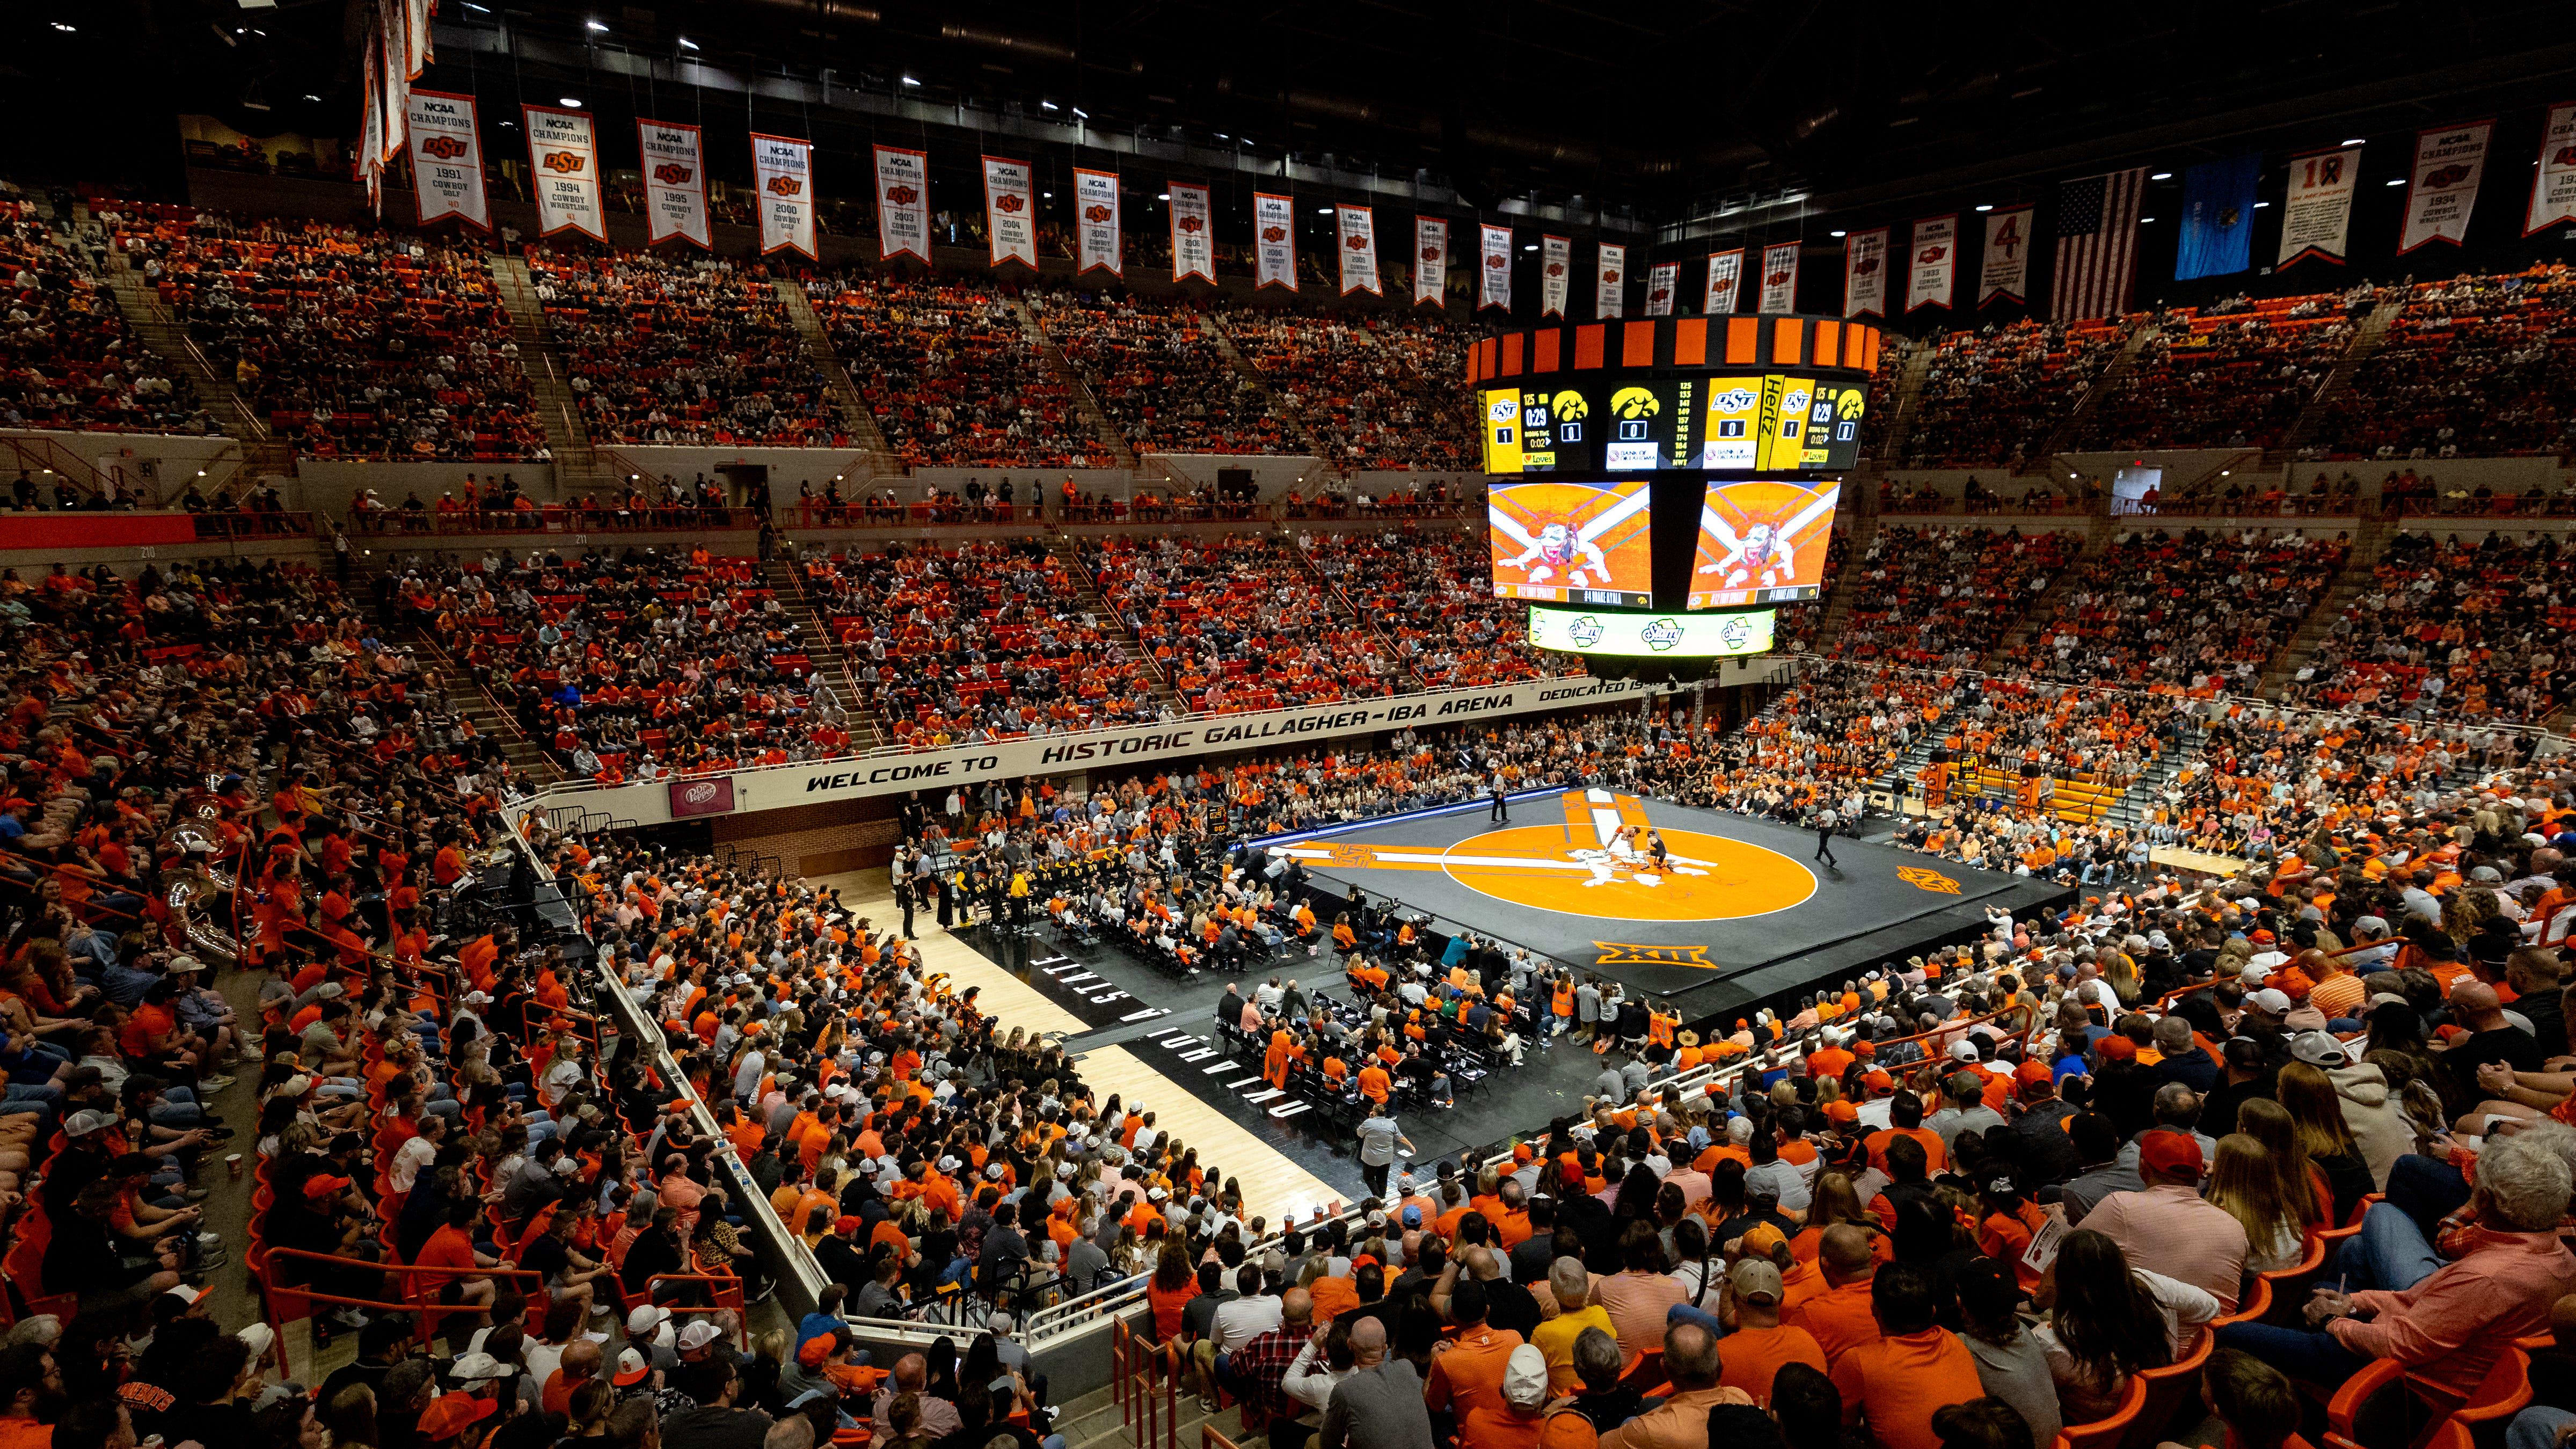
(2258, 206)
(66, 29)
(1836, 233)
(907, 80)
(2161, 176)
(1903, 121)
(2142, 221)
(1080, 112)
(568, 101)
(2355, 141)
(687, 44)
(1046, 105)
(1530, 247)
(1222, 136)
(1046, 196)
(317, 100)
(1323, 211)
(478, 9)
(2396, 180)
(1162, 196)
(597, 27)
(1985, 208)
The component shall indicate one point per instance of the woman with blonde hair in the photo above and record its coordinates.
(2309, 1096)
(2303, 1187)
(1834, 1201)
(2243, 1183)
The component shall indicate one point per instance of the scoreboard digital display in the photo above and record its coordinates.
(1762, 541)
(1741, 423)
(1669, 636)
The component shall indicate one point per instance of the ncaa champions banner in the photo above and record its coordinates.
(783, 169)
(1725, 281)
(1430, 261)
(903, 204)
(1555, 274)
(2444, 185)
(2553, 181)
(1611, 300)
(2319, 214)
(1662, 281)
(2005, 277)
(1494, 270)
(416, 32)
(1932, 267)
(675, 182)
(565, 156)
(1358, 227)
(1865, 273)
(1193, 242)
(1095, 207)
(1274, 241)
(447, 160)
(1779, 278)
(1010, 212)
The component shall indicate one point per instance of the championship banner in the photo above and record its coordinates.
(368, 165)
(447, 160)
(1494, 282)
(1779, 278)
(416, 24)
(2005, 277)
(566, 159)
(1865, 273)
(1430, 261)
(903, 203)
(2553, 181)
(1274, 241)
(1095, 223)
(2449, 160)
(1663, 282)
(1725, 281)
(1358, 225)
(782, 167)
(1555, 274)
(1932, 267)
(1010, 213)
(675, 182)
(1611, 300)
(392, 16)
(2319, 214)
(1193, 244)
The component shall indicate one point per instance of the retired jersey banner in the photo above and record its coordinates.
(2319, 215)
(1430, 261)
(2553, 180)
(782, 167)
(1865, 273)
(2005, 276)
(1611, 298)
(1358, 228)
(566, 156)
(1095, 222)
(1663, 283)
(1932, 267)
(903, 203)
(1010, 212)
(1555, 274)
(675, 182)
(1779, 278)
(1193, 240)
(2449, 160)
(1725, 281)
(447, 160)
(1494, 269)
(1274, 241)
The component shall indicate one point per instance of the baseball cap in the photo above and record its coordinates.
(646, 1321)
(2269, 999)
(701, 1333)
(1413, 1215)
(1963, 1051)
(1525, 1377)
(2162, 1153)
(1841, 1111)
(1761, 1238)
(816, 1349)
(81, 1124)
(2116, 1048)
(1878, 1081)
(633, 1367)
(2318, 1049)
(324, 1186)
(2031, 1071)
(478, 1367)
(1756, 1280)
(452, 1414)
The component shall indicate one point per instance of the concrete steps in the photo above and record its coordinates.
(1838, 604)
(2043, 609)
(1120, 452)
(855, 417)
(1095, 604)
(168, 338)
(2359, 567)
(1909, 398)
(2064, 434)
(1270, 401)
(832, 669)
(578, 466)
(2366, 340)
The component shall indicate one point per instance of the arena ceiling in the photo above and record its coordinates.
(1668, 110)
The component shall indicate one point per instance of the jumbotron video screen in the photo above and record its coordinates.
(1573, 543)
(1755, 423)
(1762, 541)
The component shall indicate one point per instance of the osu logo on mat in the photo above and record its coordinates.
(1597, 860)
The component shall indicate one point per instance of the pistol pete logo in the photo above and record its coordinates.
(672, 173)
(443, 148)
(565, 163)
(1097, 212)
(787, 185)
(902, 195)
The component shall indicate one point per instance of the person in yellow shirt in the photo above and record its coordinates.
(1572, 1285)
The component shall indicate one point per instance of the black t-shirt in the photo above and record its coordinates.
(2510, 1045)
(217, 1426)
(1511, 1306)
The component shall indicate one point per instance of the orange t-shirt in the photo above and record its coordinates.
(1839, 1319)
(1898, 1384)
(1754, 1355)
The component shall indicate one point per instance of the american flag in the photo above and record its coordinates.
(2097, 245)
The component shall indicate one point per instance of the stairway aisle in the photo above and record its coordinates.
(2366, 340)
(1272, 403)
(2043, 609)
(832, 668)
(2062, 437)
(579, 470)
(262, 453)
(855, 417)
(1114, 629)
(1070, 378)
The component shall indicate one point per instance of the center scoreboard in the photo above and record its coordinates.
(1685, 465)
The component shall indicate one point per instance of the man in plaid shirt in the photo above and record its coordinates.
(1254, 1370)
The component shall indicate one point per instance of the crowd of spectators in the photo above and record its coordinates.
(1431, 594)
(2236, 380)
(1993, 396)
(950, 376)
(669, 351)
(2194, 611)
(1926, 595)
(2456, 628)
(68, 358)
(1376, 391)
(632, 664)
(976, 642)
(1239, 622)
(351, 343)
(1161, 373)
(2477, 366)
(2259, 782)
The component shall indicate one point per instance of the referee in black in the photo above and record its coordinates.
(1826, 820)
(1502, 804)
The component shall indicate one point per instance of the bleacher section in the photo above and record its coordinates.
(949, 376)
(2236, 379)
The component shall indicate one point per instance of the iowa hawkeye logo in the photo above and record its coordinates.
(442, 148)
(1600, 861)
(565, 163)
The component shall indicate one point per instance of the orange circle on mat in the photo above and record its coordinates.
(1738, 879)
